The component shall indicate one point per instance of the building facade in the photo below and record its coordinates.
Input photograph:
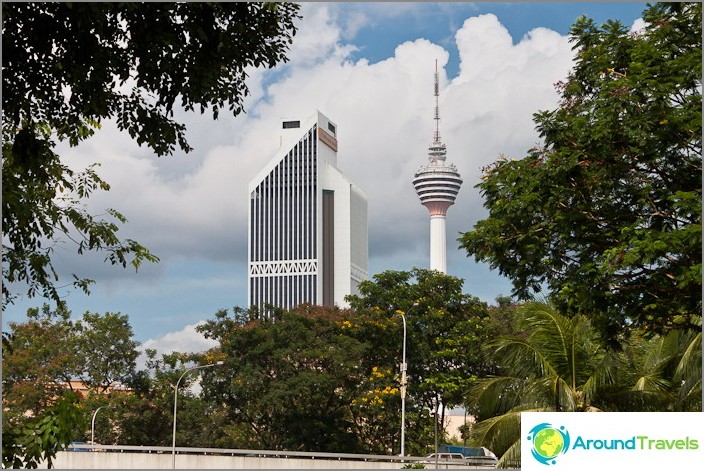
(307, 223)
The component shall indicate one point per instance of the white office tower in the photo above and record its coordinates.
(307, 224)
(437, 185)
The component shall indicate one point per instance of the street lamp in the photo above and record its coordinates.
(404, 383)
(173, 446)
(92, 424)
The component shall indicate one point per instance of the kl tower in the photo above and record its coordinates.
(437, 184)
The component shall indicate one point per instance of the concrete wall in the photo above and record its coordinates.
(127, 460)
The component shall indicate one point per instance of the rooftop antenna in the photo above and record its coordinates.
(436, 135)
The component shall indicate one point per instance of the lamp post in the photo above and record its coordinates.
(404, 366)
(437, 455)
(173, 446)
(92, 424)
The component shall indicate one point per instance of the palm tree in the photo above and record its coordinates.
(688, 373)
(664, 373)
(555, 364)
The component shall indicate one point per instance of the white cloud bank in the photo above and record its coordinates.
(193, 207)
(186, 340)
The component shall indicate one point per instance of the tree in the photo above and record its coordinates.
(556, 363)
(445, 328)
(40, 411)
(49, 351)
(42, 359)
(288, 384)
(606, 213)
(42, 436)
(145, 414)
(106, 350)
(39, 363)
(661, 374)
(67, 67)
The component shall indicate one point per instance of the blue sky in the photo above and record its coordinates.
(440, 21)
(369, 67)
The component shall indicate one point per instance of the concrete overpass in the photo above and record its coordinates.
(139, 457)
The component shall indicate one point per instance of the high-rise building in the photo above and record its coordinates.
(437, 184)
(307, 223)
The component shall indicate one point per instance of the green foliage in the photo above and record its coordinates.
(662, 374)
(42, 436)
(67, 67)
(42, 209)
(445, 330)
(288, 384)
(319, 379)
(606, 214)
(559, 364)
(105, 348)
(145, 415)
(41, 358)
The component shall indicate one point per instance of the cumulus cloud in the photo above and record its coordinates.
(186, 340)
(638, 25)
(193, 207)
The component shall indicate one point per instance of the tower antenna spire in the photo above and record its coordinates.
(436, 135)
(437, 185)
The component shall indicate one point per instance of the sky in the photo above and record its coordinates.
(370, 68)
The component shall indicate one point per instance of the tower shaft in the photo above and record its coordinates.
(438, 243)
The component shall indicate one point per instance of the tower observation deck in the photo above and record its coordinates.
(437, 184)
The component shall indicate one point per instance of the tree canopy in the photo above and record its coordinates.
(300, 382)
(321, 378)
(49, 350)
(67, 67)
(605, 214)
(42, 359)
(557, 363)
(446, 330)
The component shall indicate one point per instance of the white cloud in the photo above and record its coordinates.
(194, 206)
(186, 340)
(318, 37)
(638, 25)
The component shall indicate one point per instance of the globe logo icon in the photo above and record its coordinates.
(548, 442)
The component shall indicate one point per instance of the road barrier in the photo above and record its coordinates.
(82, 456)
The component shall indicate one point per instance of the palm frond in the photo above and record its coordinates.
(602, 376)
(690, 364)
(496, 395)
(565, 343)
(524, 358)
(501, 433)
(653, 382)
(498, 433)
(512, 457)
(688, 375)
